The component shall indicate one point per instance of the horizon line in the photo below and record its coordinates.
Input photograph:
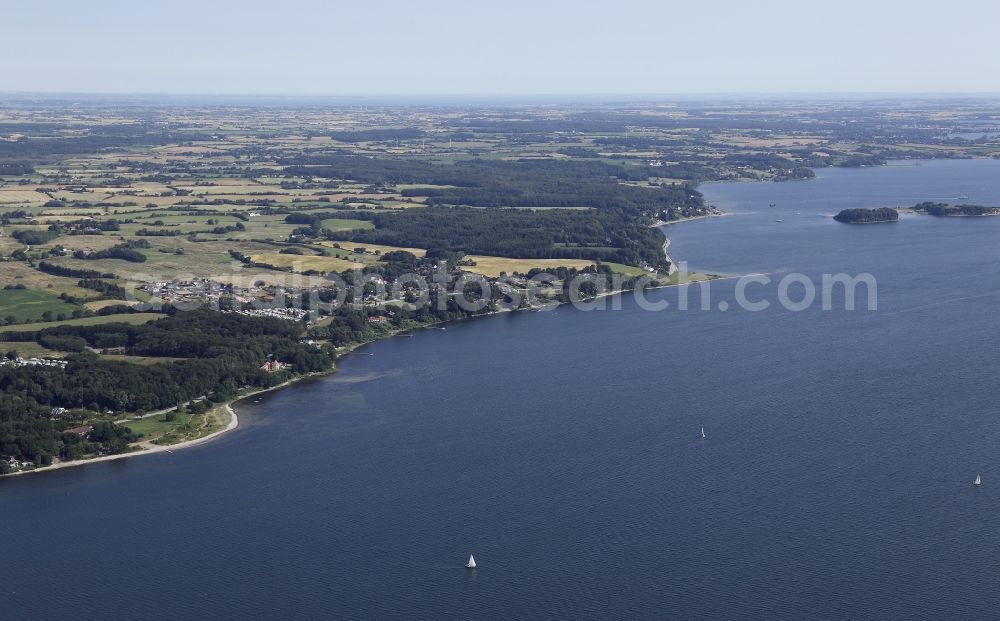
(519, 95)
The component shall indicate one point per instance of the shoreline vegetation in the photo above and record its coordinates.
(213, 338)
(945, 210)
(123, 236)
(150, 447)
(867, 216)
(169, 429)
(142, 448)
(939, 210)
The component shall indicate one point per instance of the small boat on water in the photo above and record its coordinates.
(978, 481)
(779, 220)
(472, 562)
(773, 205)
(703, 436)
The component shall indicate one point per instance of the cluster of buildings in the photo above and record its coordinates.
(272, 366)
(290, 314)
(194, 290)
(34, 362)
(14, 464)
(203, 290)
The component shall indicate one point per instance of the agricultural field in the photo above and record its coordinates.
(32, 305)
(303, 263)
(30, 349)
(340, 224)
(21, 197)
(374, 249)
(271, 198)
(130, 318)
(494, 266)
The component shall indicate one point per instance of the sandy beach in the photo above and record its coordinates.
(662, 223)
(144, 448)
(148, 448)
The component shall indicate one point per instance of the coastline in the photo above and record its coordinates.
(660, 224)
(147, 448)
(666, 253)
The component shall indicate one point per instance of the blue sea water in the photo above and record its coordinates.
(563, 449)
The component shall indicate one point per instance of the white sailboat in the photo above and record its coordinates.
(472, 562)
(703, 436)
(978, 480)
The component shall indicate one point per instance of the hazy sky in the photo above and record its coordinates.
(301, 47)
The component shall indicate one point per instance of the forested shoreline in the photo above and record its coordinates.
(867, 216)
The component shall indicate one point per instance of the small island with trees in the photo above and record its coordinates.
(945, 210)
(867, 216)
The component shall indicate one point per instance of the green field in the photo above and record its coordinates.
(30, 304)
(628, 270)
(187, 426)
(130, 318)
(30, 349)
(339, 224)
(155, 426)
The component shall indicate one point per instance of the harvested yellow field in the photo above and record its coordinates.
(372, 248)
(97, 305)
(85, 242)
(162, 201)
(243, 188)
(248, 278)
(65, 217)
(301, 263)
(10, 197)
(8, 245)
(88, 195)
(278, 198)
(492, 266)
(74, 213)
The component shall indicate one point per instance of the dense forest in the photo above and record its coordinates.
(221, 353)
(867, 216)
(607, 234)
(944, 209)
(126, 252)
(614, 207)
(498, 183)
